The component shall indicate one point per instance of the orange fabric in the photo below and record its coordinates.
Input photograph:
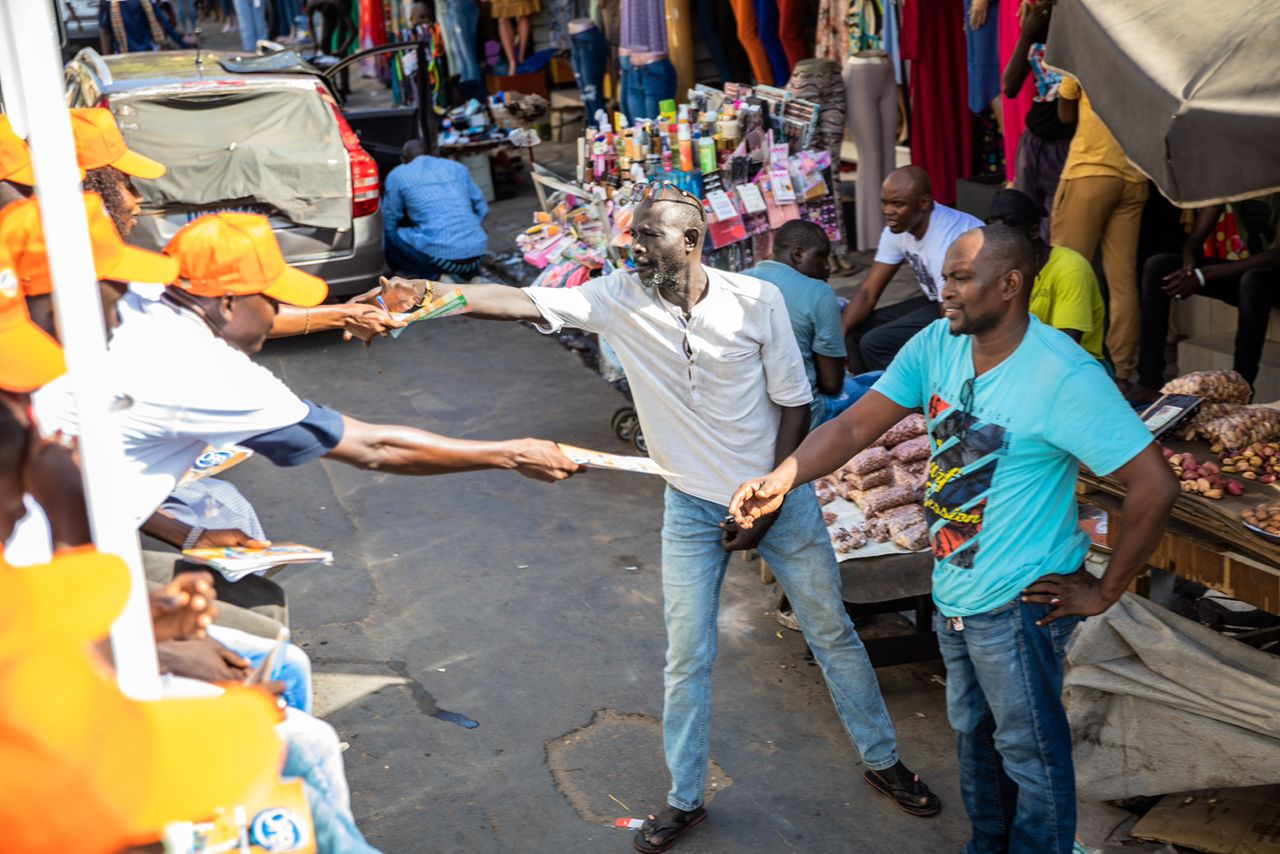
(99, 143)
(15, 157)
(22, 234)
(749, 35)
(236, 254)
(85, 768)
(29, 358)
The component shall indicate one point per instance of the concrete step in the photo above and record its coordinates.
(1216, 353)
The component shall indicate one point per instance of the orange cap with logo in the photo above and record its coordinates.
(29, 357)
(15, 157)
(22, 233)
(99, 143)
(236, 254)
(86, 768)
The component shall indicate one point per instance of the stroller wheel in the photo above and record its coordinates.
(625, 423)
(637, 439)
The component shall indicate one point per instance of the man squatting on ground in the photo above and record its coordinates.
(1013, 408)
(721, 391)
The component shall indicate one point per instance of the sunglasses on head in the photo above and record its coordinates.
(653, 192)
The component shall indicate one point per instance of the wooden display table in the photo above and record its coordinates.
(890, 584)
(1206, 542)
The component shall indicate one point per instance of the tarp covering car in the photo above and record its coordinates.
(1189, 91)
(276, 147)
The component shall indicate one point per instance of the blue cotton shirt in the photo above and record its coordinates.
(814, 313)
(443, 205)
(1000, 500)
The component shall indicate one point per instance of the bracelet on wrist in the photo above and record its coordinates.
(1199, 274)
(306, 329)
(193, 537)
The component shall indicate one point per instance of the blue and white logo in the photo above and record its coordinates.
(276, 830)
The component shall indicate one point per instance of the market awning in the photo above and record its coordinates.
(1189, 90)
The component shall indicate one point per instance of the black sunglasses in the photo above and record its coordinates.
(653, 192)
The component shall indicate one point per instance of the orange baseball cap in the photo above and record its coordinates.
(99, 143)
(86, 768)
(22, 233)
(236, 254)
(15, 157)
(29, 357)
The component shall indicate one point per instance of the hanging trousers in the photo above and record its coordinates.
(873, 121)
(749, 35)
(791, 31)
(767, 24)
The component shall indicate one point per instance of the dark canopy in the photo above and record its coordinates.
(1191, 90)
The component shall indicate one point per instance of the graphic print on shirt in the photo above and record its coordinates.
(966, 454)
(921, 269)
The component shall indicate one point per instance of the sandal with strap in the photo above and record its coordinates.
(913, 799)
(659, 834)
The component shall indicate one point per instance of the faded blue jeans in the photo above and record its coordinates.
(646, 86)
(252, 18)
(458, 21)
(1004, 699)
(801, 558)
(314, 754)
(590, 61)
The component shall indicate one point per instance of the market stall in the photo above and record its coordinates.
(1227, 456)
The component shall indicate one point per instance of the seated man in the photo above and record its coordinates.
(918, 231)
(1251, 284)
(432, 216)
(799, 269)
(1065, 295)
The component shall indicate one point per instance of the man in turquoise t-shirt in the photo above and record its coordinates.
(1013, 408)
(802, 252)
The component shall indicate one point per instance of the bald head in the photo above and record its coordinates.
(412, 150)
(906, 200)
(912, 179)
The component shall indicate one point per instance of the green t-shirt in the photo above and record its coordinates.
(1066, 296)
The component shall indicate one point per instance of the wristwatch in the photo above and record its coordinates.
(193, 537)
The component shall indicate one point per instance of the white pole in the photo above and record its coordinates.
(32, 71)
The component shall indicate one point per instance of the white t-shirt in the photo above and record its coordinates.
(181, 388)
(926, 256)
(710, 411)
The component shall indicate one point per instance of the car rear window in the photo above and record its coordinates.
(277, 147)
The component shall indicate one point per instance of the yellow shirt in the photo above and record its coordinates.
(1066, 296)
(1094, 151)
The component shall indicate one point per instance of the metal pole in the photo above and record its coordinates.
(32, 71)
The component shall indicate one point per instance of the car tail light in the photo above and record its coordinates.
(365, 188)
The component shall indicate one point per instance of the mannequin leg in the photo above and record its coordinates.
(507, 35)
(525, 29)
(872, 115)
(749, 35)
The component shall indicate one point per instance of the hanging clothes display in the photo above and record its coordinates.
(830, 37)
(459, 20)
(872, 109)
(1015, 109)
(941, 124)
(983, 50)
(767, 22)
(791, 26)
(749, 34)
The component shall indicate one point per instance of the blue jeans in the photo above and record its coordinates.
(800, 555)
(458, 21)
(314, 754)
(403, 255)
(590, 60)
(186, 12)
(1004, 699)
(252, 18)
(644, 87)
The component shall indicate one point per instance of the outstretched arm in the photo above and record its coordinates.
(826, 449)
(488, 302)
(357, 320)
(408, 450)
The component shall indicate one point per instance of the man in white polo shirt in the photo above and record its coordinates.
(918, 231)
(719, 387)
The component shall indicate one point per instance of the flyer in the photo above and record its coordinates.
(215, 460)
(616, 462)
(234, 562)
(445, 305)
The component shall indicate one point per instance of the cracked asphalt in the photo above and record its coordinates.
(534, 610)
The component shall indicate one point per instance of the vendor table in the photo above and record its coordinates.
(889, 584)
(1206, 541)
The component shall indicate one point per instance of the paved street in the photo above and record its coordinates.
(535, 611)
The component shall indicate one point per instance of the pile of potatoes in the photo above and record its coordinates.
(1264, 517)
(1201, 478)
(1259, 461)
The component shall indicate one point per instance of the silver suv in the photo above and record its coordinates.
(275, 143)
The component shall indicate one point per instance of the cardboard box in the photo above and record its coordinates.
(1217, 821)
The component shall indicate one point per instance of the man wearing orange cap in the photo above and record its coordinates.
(232, 278)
